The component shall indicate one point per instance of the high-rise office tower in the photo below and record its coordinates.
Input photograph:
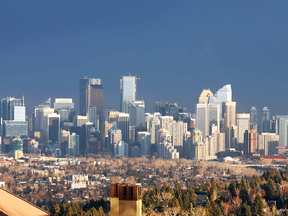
(273, 124)
(91, 94)
(121, 149)
(128, 90)
(154, 126)
(79, 120)
(53, 127)
(202, 118)
(7, 107)
(178, 130)
(213, 116)
(144, 138)
(198, 147)
(122, 122)
(136, 112)
(265, 120)
(104, 133)
(63, 103)
(243, 124)
(229, 113)
(250, 142)
(73, 144)
(160, 107)
(164, 123)
(225, 93)
(40, 113)
(40, 120)
(202, 112)
(209, 143)
(253, 118)
(219, 141)
(92, 116)
(108, 110)
(231, 137)
(281, 127)
(171, 109)
(65, 108)
(267, 143)
(114, 136)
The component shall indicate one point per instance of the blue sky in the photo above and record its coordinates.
(177, 48)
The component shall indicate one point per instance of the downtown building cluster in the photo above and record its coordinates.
(215, 130)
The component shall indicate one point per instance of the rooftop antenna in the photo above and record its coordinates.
(23, 100)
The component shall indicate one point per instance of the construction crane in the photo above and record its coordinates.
(281, 148)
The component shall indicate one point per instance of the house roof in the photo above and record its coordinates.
(10, 204)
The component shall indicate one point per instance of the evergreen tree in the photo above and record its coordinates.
(278, 196)
(244, 190)
(212, 209)
(270, 189)
(246, 210)
(178, 194)
(101, 212)
(232, 188)
(257, 209)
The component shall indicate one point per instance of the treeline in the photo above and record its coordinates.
(92, 208)
(259, 195)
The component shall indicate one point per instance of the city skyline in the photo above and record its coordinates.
(171, 43)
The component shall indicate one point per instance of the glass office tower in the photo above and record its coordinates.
(128, 89)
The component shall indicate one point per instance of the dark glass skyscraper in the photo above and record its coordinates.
(91, 94)
(265, 120)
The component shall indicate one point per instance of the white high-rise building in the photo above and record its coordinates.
(281, 127)
(209, 143)
(178, 130)
(267, 143)
(19, 113)
(219, 141)
(202, 118)
(136, 113)
(225, 93)
(154, 126)
(164, 120)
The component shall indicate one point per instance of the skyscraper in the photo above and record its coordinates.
(268, 143)
(213, 116)
(136, 113)
(128, 90)
(281, 129)
(53, 127)
(7, 107)
(250, 142)
(92, 116)
(63, 103)
(91, 94)
(253, 118)
(229, 114)
(122, 121)
(225, 93)
(243, 124)
(265, 120)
